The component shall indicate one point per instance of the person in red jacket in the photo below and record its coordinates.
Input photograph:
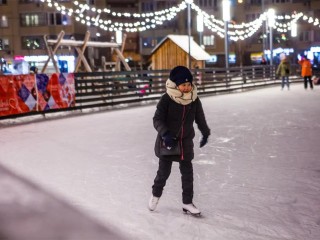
(306, 72)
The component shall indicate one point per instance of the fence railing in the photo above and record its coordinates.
(102, 89)
(99, 89)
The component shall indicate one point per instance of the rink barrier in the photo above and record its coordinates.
(108, 89)
(35, 93)
(101, 89)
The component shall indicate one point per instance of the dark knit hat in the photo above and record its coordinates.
(33, 69)
(180, 74)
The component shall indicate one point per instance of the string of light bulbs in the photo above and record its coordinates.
(150, 20)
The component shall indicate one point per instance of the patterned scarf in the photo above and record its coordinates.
(179, 97)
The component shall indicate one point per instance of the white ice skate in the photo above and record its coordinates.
(153, 202)
(192, 209)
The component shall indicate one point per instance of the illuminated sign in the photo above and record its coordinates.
(18, 58)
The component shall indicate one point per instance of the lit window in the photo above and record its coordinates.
(32, 42)
(4, 44)
(208, 40)
(148, 42)
(58, 19)
(4, 21)
(33, 19)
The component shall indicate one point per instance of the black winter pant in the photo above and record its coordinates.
(306, 80)
(163, 174)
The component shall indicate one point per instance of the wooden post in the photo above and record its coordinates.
(81, 55)
(52, 52)
(121, 57)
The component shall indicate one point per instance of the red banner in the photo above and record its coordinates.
(26, 93)
(17, 94)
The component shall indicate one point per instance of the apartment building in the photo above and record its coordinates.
(23, 23)
(252, 49)
(306, 42)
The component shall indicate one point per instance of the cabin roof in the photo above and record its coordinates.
(196, 52)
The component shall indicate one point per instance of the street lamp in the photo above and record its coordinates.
(200, 27)
(271, 22)
(119, 37)
(294, 29)
(189, 2)
(263, 30)
(226, 19)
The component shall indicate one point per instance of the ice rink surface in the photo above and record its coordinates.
(258, 178)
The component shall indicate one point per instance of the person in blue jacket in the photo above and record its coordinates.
(176, 112)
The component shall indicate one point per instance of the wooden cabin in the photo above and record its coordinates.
(173, 50)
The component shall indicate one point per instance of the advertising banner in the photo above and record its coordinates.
(36, 92)
(56, 91)
(17, 94)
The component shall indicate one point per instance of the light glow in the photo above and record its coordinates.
(151, 20)
(226, 10)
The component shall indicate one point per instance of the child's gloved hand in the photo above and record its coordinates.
(168, 140)
(203, 141)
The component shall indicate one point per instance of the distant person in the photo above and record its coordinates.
(306, 72)
(34, 70)
(176, 112)
(263, 61)
(283, 71)
(316, 80)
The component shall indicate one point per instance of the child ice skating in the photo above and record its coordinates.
(176, 112)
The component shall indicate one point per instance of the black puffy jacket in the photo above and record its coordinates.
(169, 116)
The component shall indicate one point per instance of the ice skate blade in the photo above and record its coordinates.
(192, 214)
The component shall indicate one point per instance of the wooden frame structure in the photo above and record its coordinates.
(52, 46)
